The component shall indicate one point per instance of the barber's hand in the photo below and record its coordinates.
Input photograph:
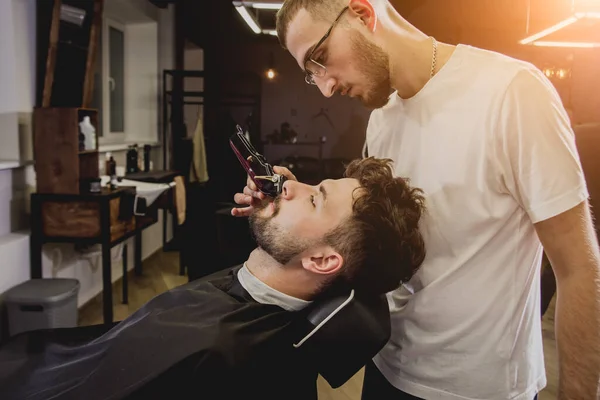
(251, 196)
(285, 172)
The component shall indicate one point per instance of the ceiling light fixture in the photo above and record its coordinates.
(243, 11)
(580, 45)
(583, 11)
(550, 30)
(264, 6)
(249, 10)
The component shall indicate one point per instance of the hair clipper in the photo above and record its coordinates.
(255, 164)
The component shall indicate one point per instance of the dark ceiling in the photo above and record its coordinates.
(466, 21)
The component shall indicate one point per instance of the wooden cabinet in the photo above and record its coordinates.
(82, 219)
(89, 216)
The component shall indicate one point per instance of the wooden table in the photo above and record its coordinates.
(87, 219)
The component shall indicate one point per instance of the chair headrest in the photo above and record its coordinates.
(339, 334)
(345, 333)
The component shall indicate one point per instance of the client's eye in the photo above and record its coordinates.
(321, 58)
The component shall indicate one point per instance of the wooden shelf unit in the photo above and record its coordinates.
(59, 164)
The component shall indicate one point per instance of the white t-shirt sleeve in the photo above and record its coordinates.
(535, 148)
(371, 128)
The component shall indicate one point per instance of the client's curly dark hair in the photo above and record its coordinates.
(380, 242)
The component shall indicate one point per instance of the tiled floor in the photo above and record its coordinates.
(161, 274)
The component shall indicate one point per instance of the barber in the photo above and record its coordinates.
(487, 138)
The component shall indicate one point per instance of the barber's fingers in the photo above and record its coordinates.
(252, 190)
(245, 199)
(250, 183)
(242, 199)
(254, 193)
(242, 212)
(285, 172)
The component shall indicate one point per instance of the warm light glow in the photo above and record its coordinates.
(248, 18)
(271, 73)
(581, 15)
(556, 73)
(270, 32)
(582, 45)
(586, 5)
(548, 31)
(561, 73)
(534, 39)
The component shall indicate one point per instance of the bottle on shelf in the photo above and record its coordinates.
(89, 133)
(132, 159)
(110, 169)
(147, 149)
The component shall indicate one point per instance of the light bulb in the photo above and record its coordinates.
(270, 73)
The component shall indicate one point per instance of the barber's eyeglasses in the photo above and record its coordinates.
(314, 68)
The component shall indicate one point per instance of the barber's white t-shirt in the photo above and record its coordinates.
(490, 143)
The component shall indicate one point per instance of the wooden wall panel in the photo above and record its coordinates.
(56, 150)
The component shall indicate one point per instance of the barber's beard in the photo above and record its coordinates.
(374, 65)
(271, 238)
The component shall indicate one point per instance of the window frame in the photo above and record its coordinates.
(108, 136)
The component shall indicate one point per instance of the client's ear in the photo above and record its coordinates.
(323, 260)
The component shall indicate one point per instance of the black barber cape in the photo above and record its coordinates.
(207, 339)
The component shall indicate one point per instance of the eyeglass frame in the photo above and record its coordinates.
(308, 78)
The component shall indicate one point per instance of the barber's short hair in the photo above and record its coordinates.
(381, 243)
(320, 10)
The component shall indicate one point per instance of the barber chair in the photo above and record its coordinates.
(339, 334)
(346, 333)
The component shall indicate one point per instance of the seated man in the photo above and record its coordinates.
(232, 335)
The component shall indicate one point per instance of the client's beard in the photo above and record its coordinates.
(271, 238)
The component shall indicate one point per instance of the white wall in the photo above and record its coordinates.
(141, 82)
(17, 72)
(25, 54)
(9, 128)
(17, 69)
(134, 11)
(5, 193)
(8, 65)
(17, 80)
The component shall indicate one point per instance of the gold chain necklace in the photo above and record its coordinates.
(434, 57)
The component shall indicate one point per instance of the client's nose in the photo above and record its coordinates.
(291, 188)
(285, 189)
